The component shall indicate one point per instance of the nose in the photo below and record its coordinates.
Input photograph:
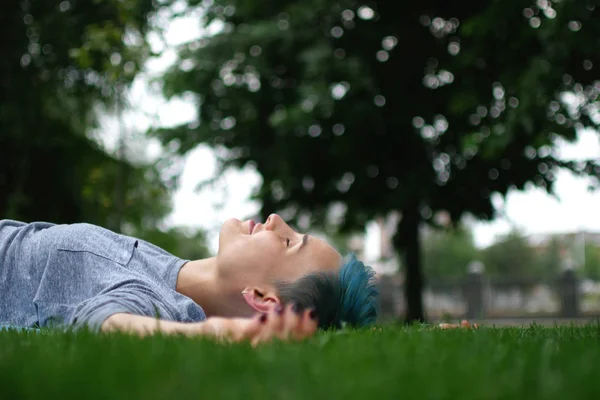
(277, 224)
(272, 222)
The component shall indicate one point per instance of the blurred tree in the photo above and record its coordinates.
(550, 259)
(340, 240)
(447, 253)
(62, 62)
(381, 106)
(511, 256)
(591, 268)
(184, 243)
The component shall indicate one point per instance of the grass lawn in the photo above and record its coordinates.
(396, 362)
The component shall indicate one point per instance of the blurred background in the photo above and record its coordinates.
(452, 145)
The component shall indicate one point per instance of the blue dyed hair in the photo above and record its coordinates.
(348, 297)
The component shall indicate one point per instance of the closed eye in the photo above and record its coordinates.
(287, 242)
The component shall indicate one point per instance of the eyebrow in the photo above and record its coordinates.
(304, 240)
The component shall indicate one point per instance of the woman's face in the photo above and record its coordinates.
(256, 254)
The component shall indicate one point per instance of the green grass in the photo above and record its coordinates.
(399, 363)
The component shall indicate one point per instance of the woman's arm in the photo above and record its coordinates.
(283, 324)
(143, 326)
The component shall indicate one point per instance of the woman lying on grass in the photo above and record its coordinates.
(267, 281)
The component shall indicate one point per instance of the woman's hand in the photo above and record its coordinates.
(283, 323)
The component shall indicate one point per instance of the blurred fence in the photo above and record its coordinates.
(480, 297)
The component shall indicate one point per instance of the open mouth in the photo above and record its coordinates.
(252, 224)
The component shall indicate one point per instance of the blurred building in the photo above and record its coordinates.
(509, 296)
(382, 256)
(572, 245)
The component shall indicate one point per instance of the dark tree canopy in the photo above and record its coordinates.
(62, 62)
(388, 105)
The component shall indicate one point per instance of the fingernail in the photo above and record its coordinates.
(263, 318)
(279, 310)
(312, 314)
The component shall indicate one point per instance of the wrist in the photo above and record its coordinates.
(211, 327)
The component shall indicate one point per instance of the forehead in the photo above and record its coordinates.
(317, 255)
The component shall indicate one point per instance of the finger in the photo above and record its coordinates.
(262, 333)
(312, 325)
(308, 325)
(292, 322)
(273, 326)
(253, 327)
(467, 324)
(278, 322)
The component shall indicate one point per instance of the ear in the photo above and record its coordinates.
(260, 300)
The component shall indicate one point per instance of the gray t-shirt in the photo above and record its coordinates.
(78, 275)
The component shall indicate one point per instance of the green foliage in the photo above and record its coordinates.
(185, 244)
(591, 268)
(511, 256)
(65, 62)
(447, 254)
(403, 106)
(550, 261)
(61, 61)
(394, 362)
(293, 89)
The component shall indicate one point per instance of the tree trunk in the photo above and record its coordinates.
(408, 244)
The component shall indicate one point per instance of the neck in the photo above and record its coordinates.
(199, 280)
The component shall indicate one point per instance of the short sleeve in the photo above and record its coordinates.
(132, 298)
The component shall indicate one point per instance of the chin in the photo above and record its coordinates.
(230, 230)
(231, 225)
